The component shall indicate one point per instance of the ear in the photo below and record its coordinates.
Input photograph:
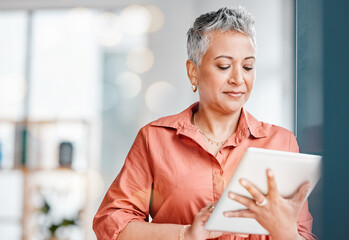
(192, 71)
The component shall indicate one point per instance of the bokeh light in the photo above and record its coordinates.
(157, 18)
(159, 95)
(129, 84)
(140, 59)
(135, 20)
(13, 88)
(108, 29)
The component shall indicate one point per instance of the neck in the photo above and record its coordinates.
(220, 126)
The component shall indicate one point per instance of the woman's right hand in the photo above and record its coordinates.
(197, 230)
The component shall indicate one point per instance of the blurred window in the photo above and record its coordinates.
(13, 27)
(65, 65)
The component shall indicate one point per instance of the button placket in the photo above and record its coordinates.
(218, 183)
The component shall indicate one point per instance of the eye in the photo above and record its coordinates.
(248, 68)
(223, 68)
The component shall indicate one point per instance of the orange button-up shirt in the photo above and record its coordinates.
(169, 174)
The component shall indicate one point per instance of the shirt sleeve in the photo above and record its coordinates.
(305, 220)
(129, 195)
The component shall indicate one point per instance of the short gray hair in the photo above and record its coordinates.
(223, 20)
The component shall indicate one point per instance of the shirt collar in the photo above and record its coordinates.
(248, 125)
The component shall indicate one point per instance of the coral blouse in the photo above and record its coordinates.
(169, 174)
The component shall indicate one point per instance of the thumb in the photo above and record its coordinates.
(302, 192)
(204, 217)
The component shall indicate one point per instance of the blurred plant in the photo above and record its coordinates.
(53, 227)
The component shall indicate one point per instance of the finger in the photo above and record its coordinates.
(210, 204)
(246, 213)
(302, 192)
(272, 187)
(217, 233)
(204, 217)
(242, 235)
(256, 194)
(209, 207)
(247, 202)
(214, 234)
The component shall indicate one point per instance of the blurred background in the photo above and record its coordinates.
(78, 79)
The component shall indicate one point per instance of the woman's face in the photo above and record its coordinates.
(227, 71)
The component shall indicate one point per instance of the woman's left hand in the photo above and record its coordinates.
(276, 214)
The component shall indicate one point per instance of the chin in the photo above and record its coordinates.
(232, 108)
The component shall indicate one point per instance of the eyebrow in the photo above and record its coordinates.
(229, 57)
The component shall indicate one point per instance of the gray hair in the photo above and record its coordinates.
(223, 20)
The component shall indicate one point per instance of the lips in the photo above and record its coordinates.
(235, 94)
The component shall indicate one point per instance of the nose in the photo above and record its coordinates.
(236, 76)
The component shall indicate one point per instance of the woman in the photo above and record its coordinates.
(178, 165)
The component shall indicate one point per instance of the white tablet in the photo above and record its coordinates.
(290, 171)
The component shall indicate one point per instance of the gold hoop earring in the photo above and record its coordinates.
(194, 88)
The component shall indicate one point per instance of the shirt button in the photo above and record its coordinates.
(216, 172)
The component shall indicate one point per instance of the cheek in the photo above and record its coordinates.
(249, 81)
(211, 79)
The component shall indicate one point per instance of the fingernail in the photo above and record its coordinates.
(231, 195)
(226, 214)
(243, 182)
(270, 173)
